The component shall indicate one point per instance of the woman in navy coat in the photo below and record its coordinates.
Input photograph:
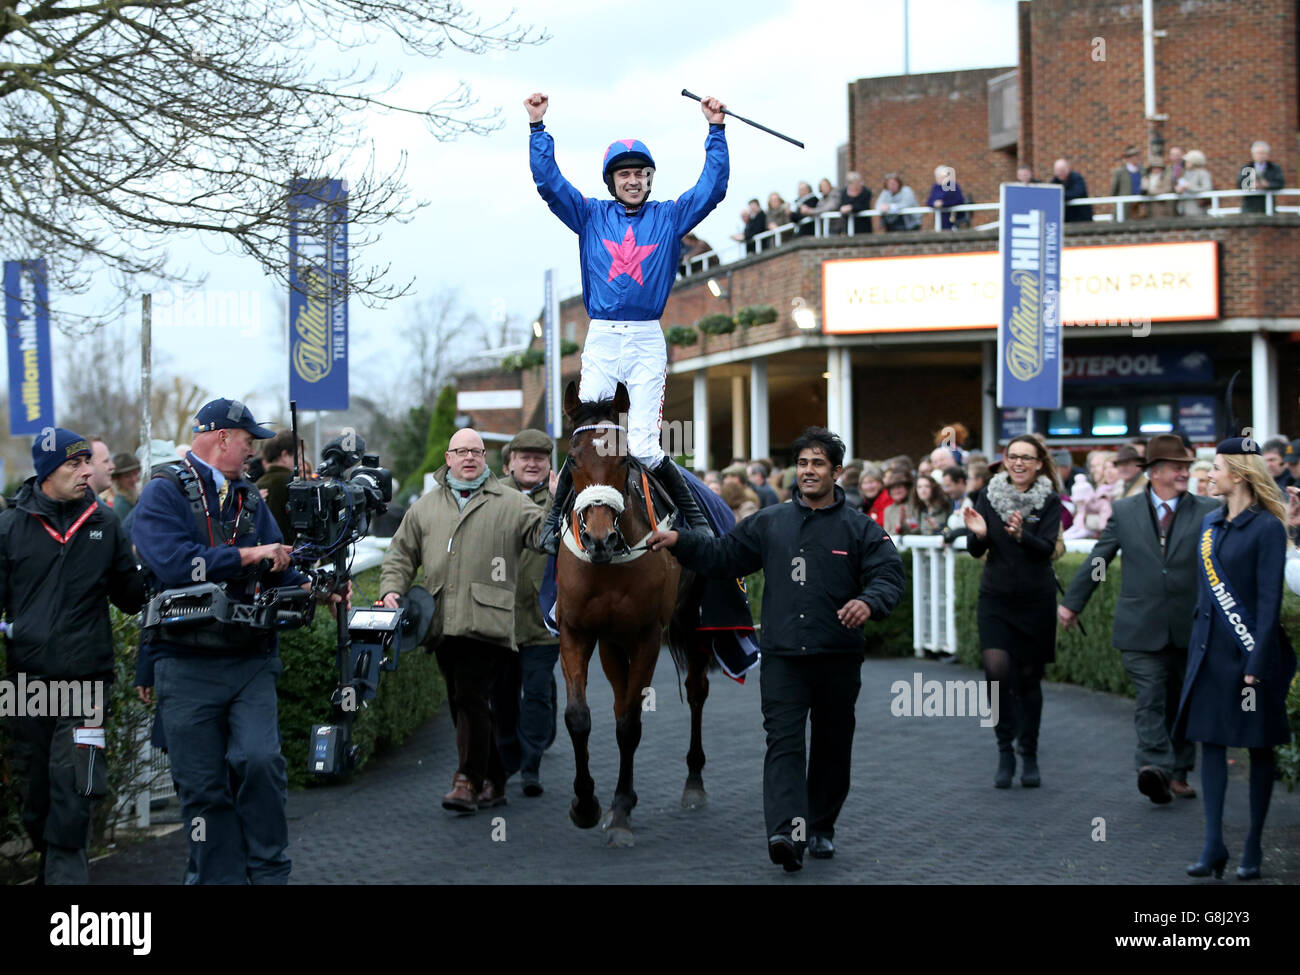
(1240, 661)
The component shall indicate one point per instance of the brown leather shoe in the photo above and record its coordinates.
(1182, 790)
(490, 796)
(1154, 784)
(461, 797)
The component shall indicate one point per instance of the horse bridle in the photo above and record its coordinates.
(621, 546)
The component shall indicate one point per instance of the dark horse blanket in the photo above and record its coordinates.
(724, 611)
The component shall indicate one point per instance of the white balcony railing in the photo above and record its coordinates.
(1221, 204)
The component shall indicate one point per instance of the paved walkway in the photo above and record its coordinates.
(922, 808)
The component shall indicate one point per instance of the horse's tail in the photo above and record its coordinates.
(684, 625)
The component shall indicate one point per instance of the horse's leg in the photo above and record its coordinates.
(614, 659)
(575, 656)
(697, 691)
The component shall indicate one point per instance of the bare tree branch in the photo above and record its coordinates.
(123, 122)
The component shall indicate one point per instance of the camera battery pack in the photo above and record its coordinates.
(326, 756)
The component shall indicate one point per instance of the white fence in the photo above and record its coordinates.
(934, 608)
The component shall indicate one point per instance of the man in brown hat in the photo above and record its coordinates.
(126, 484)
(524, 698)
(1129, 464)
(1126, 180)
(1158, 531)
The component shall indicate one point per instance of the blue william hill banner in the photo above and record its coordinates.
(27, 323)
(1029, 336)
(318, 294)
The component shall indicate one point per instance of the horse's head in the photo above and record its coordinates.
(598, 452)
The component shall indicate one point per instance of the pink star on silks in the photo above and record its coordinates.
(626, 257)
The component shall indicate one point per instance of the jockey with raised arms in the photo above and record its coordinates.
(629, 249)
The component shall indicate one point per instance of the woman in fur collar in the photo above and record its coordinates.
(1016, 520)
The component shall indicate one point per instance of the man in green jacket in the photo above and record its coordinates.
(277, 454)
(526, 728)
(467, 533)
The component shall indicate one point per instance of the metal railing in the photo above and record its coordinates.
(828, 224)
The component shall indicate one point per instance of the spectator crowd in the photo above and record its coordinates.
(848, 209)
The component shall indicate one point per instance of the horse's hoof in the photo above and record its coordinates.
(584, 817)
(694, 799)
(619, 837)
(606, 819)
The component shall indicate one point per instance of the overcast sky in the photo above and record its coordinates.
(612, 71)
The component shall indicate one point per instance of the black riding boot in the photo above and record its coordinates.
(691, 517)
(551, 533)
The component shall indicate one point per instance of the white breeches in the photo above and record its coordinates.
(634, 354)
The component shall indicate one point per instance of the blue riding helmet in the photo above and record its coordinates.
(625, 154)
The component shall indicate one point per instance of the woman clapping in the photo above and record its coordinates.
(1016, 520)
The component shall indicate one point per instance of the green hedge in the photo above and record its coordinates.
(407, 698)
(681, 335)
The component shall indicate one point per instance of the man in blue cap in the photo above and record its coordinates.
(62, 555)
(200, 520)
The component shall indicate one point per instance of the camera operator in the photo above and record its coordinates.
(62, 553)
(467, 533)
(198, 520)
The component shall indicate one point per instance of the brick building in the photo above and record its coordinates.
(1223, 75)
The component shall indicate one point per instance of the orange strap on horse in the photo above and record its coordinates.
(577, 534)
(649, 504)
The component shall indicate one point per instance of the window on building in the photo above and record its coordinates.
(571, 331)
(1109, 421)
(1065, 422)
(1156, 418)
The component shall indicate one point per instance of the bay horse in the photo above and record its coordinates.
(614, 592)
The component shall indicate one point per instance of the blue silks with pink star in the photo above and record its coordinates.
(629, 263)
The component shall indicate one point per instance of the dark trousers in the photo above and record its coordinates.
(55, 816)
(1158, 681)
(812, 789)
(223, 739)
(524, 707)
(469, 669)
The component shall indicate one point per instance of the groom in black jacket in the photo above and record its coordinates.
(828, 568)
(1153, 614)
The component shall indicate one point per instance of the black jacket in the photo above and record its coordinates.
(54, 593)
(275, 482)
(814, 560)
(1249, 178)
(1075, 189)
(1023, 568)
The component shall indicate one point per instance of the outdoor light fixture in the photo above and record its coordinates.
(715, 289)
(537, 329)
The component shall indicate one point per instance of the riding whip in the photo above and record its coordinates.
(748, 121)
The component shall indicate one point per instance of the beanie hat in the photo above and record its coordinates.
(48, 454)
